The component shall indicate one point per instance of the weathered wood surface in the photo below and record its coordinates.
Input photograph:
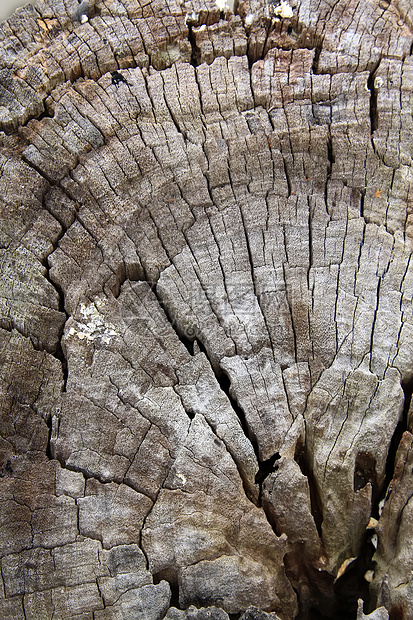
(206, 310)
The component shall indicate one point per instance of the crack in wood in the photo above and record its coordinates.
(298, 146)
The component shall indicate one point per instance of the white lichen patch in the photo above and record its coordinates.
(170, 54)
(181, 478)
(191, 18)
(378, 82)
(94, 325)
(283, 10)
(225, 5)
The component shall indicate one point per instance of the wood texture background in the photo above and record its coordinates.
(206, 343)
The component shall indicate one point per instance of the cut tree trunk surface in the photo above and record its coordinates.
(206, 341)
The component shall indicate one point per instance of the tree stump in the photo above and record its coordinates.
(206, 310)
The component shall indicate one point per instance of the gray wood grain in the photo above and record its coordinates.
(206, 325)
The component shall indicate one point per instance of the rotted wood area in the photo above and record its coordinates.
(206, 359)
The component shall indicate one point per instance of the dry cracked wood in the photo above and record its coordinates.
(206, 329)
